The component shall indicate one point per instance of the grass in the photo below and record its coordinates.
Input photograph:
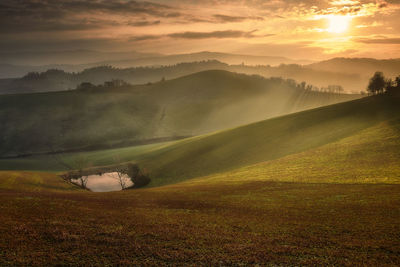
(33, 181)
(371, 156)
(269, 140)
(51, 163)
(251, 144)
(255, 222)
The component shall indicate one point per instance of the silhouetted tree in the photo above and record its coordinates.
(32, 76)
(334, 88)
(302, 85)
(397, 80)
(376, 84)
(393, 87)
(122, 178)
(85, 86)
(79, 163)
(389, 85)
(115, 83)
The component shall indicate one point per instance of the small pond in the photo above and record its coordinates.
(105, 183)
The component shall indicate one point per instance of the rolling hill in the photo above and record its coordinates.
(351, 73)
(59, 80)
(352, 142)
(18, 64)
(295, 133)
(360, 66)
(108, 117)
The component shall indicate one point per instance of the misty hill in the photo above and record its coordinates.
(67, 57)
(361, 66)
(232, 59)
(352, 142)
(356, 141)
(8, 71)
(15, 65)
(57, 80)
(108, 117)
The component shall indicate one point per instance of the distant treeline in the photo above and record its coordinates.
(59, 80)
(290, 83)
(378, 84)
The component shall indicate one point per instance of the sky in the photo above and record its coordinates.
(298, 29)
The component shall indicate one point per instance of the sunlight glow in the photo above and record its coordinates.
(338, 24)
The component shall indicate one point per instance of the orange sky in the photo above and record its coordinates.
(305, 29)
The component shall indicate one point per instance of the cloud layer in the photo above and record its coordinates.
(173, 26)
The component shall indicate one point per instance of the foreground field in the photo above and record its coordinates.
(196, 223)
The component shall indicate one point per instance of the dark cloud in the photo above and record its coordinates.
(214, 34)
(225, 18)
(79, 24)
(46, 8)
(57, 43)
(378, 40)
(54, 25)
(145, 37)
(201, 35)
(143, 23)
(48, 15)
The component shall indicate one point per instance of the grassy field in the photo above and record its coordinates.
(371, 156)
(254, 222)
(267, 140)
(51, 163)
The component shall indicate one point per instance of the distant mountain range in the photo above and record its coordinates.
(360, 66)
(17, 65)
(58, 80)
(351, 73)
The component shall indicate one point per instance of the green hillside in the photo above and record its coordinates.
(370, 156)
(114, 117)
(367, 127)
(34, 181)
(273, 139)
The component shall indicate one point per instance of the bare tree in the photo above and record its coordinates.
(83, 179)
(78, 164)
(121, 171)
(122, 178)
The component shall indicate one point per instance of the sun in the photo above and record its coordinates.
(338, 24)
